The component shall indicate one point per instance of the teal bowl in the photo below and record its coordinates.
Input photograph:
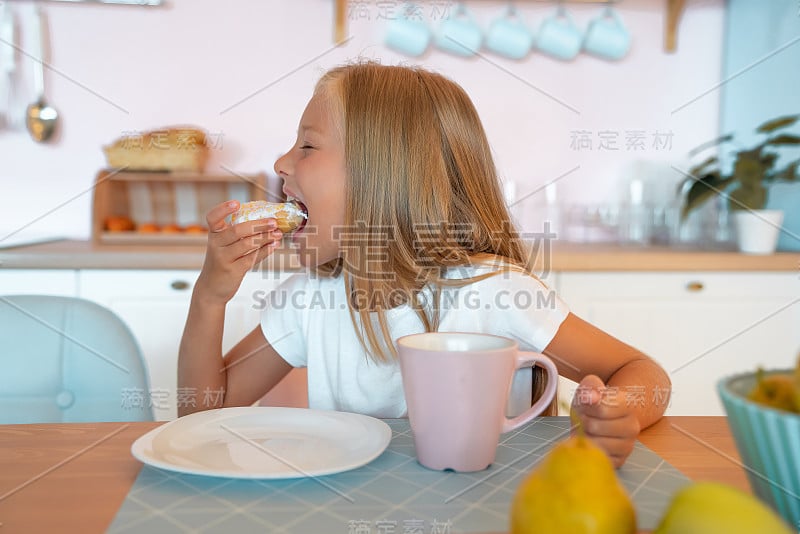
(768, 441)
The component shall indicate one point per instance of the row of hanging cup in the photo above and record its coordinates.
(558, 35)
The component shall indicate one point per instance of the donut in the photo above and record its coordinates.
(290, 215)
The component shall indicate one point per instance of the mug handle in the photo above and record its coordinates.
(511, 13)
(529, 359)
(563, 18)
(464, 14)
(514, 17)
(610, 13)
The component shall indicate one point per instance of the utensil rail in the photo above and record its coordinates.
(145, 3)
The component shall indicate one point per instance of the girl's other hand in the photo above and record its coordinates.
(232, 250)
(607, 418)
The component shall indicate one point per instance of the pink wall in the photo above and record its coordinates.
(122, 69)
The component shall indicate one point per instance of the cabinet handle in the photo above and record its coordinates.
(180, 285)
(694, 286)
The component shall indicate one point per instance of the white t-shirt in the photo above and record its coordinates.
(306, 320)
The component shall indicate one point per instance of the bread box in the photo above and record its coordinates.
(176, 148)
(164, 208)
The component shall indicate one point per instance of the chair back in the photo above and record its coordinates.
(66, 359)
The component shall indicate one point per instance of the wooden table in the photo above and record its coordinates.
(74, 477)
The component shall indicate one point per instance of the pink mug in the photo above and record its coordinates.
(457, 386)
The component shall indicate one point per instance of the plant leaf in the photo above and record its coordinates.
(784, 139)
(753, 198)
(699, 169)
(701, 190)
(709, 144)
(768, 160)
(748, 171)
(753, 153)
(789, 174)
(780, 122)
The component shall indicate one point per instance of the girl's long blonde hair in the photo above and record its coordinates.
(422, 195)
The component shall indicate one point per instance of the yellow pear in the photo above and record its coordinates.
(704, 507)
(573, 490)
(775, 390)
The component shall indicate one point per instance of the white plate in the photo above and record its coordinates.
(264, 442)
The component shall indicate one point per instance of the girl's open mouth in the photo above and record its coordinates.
(301, 207)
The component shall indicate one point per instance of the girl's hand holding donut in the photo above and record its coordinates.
(233, 250)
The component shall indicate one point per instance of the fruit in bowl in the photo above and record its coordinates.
(767, 435)
(776, 390)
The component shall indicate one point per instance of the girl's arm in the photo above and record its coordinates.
(252, 367)
(247, 373)
(621, 390)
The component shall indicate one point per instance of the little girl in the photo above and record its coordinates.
(407, 232)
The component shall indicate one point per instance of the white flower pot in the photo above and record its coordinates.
(758, 230)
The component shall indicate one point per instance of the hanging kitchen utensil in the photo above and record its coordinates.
(40, 118)
(8, 64)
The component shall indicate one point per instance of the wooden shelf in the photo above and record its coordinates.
(163, 208)
(340, 22)
(674, 10)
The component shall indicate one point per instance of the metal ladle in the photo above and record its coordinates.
(40, 118)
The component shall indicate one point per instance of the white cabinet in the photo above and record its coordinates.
(62, 282)
(154, 304)
(699, 326)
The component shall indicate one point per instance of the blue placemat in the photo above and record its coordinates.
(391, 495)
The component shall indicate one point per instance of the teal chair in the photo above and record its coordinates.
(65, 359)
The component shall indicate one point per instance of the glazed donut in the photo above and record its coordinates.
(290, 215)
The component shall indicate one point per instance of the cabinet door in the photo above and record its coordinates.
(61, 282)
(155, 304)
(699, 326)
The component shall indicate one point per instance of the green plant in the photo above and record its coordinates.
(753, 169)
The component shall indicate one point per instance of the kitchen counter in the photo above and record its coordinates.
(563, 257)
(70, 254)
